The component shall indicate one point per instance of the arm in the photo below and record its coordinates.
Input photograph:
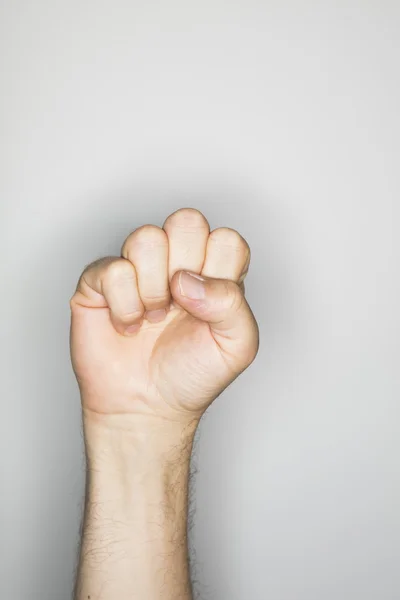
(156, 335)
(134, 541)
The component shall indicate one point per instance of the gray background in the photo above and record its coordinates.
(279, 119)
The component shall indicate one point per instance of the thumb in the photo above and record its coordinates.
(221, 303)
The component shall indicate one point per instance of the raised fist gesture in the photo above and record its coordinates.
(149, 338)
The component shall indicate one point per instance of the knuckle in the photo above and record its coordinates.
(230, 237)
(98, 264)
(187, 218)
(146, 235)
(152, 232)
(119, 270)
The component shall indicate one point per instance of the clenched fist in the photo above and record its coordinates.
(164, 328)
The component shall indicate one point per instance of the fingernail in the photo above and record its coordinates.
(133, 328)
(192, 286)
(156, 316)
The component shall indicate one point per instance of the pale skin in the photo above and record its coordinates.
(152, 349)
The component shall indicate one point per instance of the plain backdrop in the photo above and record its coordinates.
(281, 120)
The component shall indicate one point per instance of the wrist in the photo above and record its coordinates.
(136, 443)
(137, 467)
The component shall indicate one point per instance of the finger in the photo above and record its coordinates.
(221, 303)
(187, 230)
(227, 255)
(147, 249)
(111, 282)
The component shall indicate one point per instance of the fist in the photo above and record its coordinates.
(164, 328)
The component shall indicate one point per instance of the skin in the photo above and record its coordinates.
(145, 379)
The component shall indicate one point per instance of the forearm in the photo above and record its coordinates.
(134, 541)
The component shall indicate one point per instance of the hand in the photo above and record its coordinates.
(148, 339)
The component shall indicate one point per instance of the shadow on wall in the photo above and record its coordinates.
(98, 227)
